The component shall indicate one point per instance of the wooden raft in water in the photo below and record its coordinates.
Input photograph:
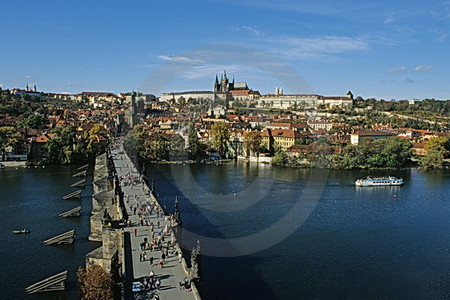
(76, 194)
(80, 174)
(74, 212)
(63, 238)
(53, 283)
(78, 183)
(83, 167)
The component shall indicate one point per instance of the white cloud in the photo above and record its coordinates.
(397, 70)
(327, 44)
(389, 19)
(317, 47)
(441, 37)
(249, 29)
(183, 59)
(418, 69)
(422, 69)
(28, 76)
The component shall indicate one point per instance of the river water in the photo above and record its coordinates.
(32, 199)
(266, 232)
(280, 233)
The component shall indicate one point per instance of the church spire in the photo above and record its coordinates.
(216, 84)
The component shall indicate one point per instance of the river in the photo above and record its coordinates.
(32, 199)
(282, 233)
(266, 232)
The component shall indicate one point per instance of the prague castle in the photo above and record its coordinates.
(232, 91)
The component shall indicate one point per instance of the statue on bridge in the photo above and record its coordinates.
(195, 261)
(176, 214)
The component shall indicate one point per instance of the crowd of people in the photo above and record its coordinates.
(149, 220)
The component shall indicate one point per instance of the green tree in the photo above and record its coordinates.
(322, 141)
(320, 157)
(60, 149)
(279, 159)
(176, 147)
(396, 151)
(437, 149)
(432, 160)
(33, 121)
(9, 137)
(352, 157)
(220, 132)
(303, 141)
(196, 148)
(440, 143)
(135, 139)
(252, 142)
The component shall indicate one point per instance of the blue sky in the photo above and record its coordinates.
(382, 49)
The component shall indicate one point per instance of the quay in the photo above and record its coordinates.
(138, 238)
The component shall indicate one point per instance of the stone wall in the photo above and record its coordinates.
(104, 205)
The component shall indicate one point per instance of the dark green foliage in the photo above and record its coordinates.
(156, 146)
(220, 136)
(393, 152)
(196, 150)
(279, 159)
(437, 149)
(64, 148)
(35, 121)
(9, 137)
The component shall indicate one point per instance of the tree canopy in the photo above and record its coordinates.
(252, 142)
(220, 132)
(437, 149)
(95, 283)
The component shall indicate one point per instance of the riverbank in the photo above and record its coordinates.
(14, 164)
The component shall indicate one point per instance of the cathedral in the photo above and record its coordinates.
(224, 85)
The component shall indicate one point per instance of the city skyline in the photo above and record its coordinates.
(380, 49)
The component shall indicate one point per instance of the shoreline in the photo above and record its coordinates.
(14, 164)
(227, 161)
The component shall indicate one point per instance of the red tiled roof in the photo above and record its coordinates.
(281, 133)
(368, 132)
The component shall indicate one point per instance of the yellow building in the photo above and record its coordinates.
(279, 138)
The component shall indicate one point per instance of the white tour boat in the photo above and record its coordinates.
(380, 181)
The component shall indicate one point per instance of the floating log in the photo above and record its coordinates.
(76, 194)
(78, 183)
(74, 212)
(63, 238)
(83, 167)
(80, 174)
(53, 283)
